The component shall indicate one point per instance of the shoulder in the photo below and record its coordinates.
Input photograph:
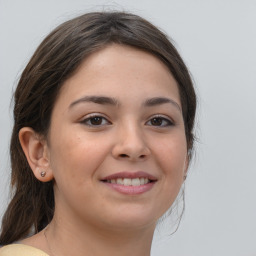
(21, 250)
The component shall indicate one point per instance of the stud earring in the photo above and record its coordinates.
(185, 177)
(42, 173)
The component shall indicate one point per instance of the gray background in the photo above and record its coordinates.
(217, 40)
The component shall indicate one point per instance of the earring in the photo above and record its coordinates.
(184, 177)
(42, 173)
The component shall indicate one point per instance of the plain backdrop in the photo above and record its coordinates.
(217, 39)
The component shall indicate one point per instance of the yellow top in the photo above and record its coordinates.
(21, 250)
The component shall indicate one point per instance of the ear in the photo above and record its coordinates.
(186, 165)
(37, 153)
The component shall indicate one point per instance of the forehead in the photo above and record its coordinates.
(120, 70)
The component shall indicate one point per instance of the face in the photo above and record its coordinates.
(116, 144)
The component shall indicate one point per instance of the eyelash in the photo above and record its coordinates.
(90, 117)
(157, 118)
(167, 121)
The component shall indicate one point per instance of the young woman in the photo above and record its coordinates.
(102, 139)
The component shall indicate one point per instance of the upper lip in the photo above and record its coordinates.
(130, 175)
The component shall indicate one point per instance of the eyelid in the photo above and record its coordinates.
(91, 115)
(163, 117)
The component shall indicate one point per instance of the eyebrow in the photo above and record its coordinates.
(161, 100)
(96, 99)
(103, 100)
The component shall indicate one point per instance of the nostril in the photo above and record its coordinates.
(127, 156)
(123, 155)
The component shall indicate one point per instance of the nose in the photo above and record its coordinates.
(131, 145)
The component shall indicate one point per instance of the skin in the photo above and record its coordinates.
(90, 216)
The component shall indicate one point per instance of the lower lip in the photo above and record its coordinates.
(131, 190)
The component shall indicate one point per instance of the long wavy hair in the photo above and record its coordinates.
(55, 60)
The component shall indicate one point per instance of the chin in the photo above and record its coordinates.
(133, 218)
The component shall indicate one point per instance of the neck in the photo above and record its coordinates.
(71, 239)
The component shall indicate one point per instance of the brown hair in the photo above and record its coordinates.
(55, 60)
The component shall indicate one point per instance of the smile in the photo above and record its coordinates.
(130, 183)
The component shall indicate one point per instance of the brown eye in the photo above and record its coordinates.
(160, 121)
(157, 121)
(95, 121)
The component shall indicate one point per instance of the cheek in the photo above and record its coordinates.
(172, 154)
(171, 157)
(75, 156)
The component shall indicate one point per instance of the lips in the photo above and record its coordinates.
(130, 175)
(130, 182)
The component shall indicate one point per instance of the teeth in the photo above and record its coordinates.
(129, 182)
(119, 181)
(136, 182)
